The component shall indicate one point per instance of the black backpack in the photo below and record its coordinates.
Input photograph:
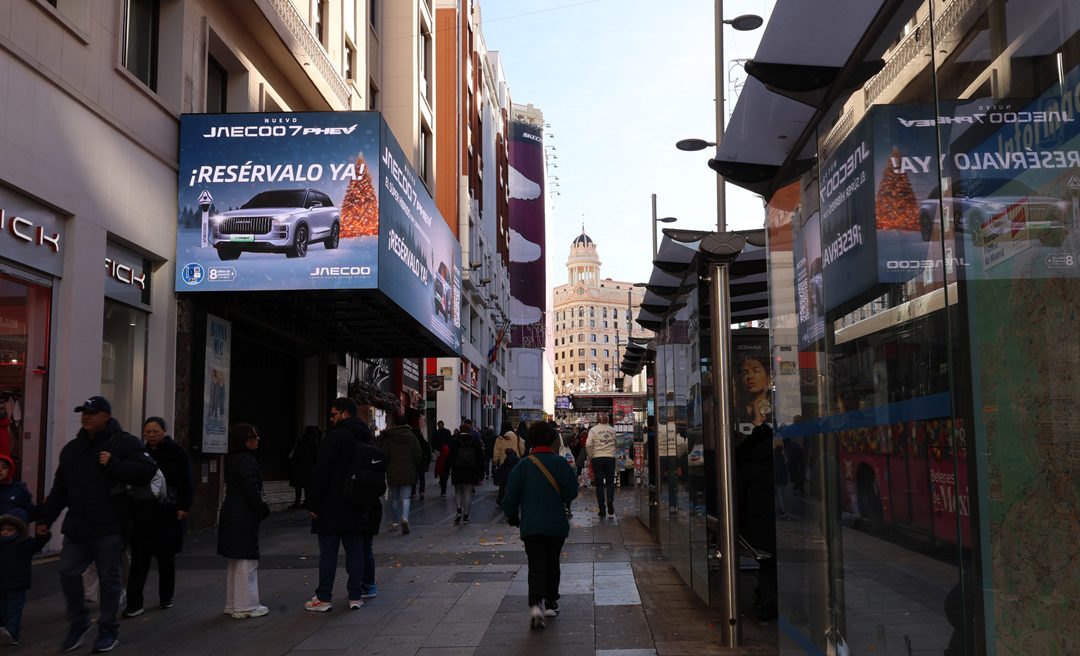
(466, 455)
(366, 477)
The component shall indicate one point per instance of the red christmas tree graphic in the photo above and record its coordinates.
(896, 206)
(360, 208)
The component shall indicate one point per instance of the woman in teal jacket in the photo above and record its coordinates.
(537, 492)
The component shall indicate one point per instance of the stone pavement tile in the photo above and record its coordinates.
(692, 648)
(442, 590)
(446, 651)
(572, 606)
(622, 627)
(616, 591)
(457, 634)
(626, 652)
(670, 596)
(388, 645)
(335, 637)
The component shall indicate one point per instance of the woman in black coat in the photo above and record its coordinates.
(158, 529)
(238, 523)
(301, 461)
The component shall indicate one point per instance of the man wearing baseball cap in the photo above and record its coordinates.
(88, 482)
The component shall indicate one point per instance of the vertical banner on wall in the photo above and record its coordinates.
(216, 385)
(528, 287)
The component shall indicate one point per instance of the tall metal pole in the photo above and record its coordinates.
(721, 207)
(730, 629)
(652, 226)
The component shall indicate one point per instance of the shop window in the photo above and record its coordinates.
(140, 40)
(24, 369)
(217, 85)
(123, 362)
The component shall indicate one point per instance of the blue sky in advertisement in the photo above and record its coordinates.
(286, 237)
(419, 257)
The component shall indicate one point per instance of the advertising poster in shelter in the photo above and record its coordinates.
(752, 380)
(215, 438)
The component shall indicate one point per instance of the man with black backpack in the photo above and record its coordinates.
(348, 479)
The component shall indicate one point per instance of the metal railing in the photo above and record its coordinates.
(301, 33)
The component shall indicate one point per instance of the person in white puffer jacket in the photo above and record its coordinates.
(600, 448)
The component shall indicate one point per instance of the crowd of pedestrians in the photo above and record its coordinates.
(128, 501)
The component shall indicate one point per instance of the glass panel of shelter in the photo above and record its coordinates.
(1008, 81)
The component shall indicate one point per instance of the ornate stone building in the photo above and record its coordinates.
(592, 322)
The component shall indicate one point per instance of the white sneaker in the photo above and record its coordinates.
(356, 604)
(258, 611)
(536, 617)
(394, 527)
(316, 605)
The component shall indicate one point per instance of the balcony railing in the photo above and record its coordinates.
(297, 35)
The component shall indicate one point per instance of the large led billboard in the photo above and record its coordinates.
(312, 201)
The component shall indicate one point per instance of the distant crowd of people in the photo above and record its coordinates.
(128, 502)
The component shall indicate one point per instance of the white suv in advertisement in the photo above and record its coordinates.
(279, 221)
(998, 208)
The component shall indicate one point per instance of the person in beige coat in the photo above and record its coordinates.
(507, 439)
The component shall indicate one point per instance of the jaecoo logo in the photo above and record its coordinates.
(340, 272)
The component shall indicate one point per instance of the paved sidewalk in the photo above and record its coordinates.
(443, 590)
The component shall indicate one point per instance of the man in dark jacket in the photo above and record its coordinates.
(489, 438)
(335, 520)
(89, 482)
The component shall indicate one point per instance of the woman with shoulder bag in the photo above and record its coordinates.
(238, 524)
(536, 495)
(158, 529)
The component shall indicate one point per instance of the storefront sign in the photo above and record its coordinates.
(126, 276)
(30, 234)
(216, 385)
(308, 201)
(410, 374)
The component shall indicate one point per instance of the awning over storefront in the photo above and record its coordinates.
(769, 140)
(679, 257)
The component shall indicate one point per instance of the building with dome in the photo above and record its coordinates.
(591, 324)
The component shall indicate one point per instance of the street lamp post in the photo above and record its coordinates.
(666, 219)
(731, 630)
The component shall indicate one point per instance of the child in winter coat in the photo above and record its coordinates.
(14, 495)
(17, 549)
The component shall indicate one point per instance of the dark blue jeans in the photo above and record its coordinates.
(11, 607)
(355, 561)
(604, 478)
(369, 561)
(107, 552)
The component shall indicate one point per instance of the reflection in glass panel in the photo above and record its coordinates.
(1010, 207)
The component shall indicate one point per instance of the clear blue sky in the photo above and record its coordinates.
(620, 81)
